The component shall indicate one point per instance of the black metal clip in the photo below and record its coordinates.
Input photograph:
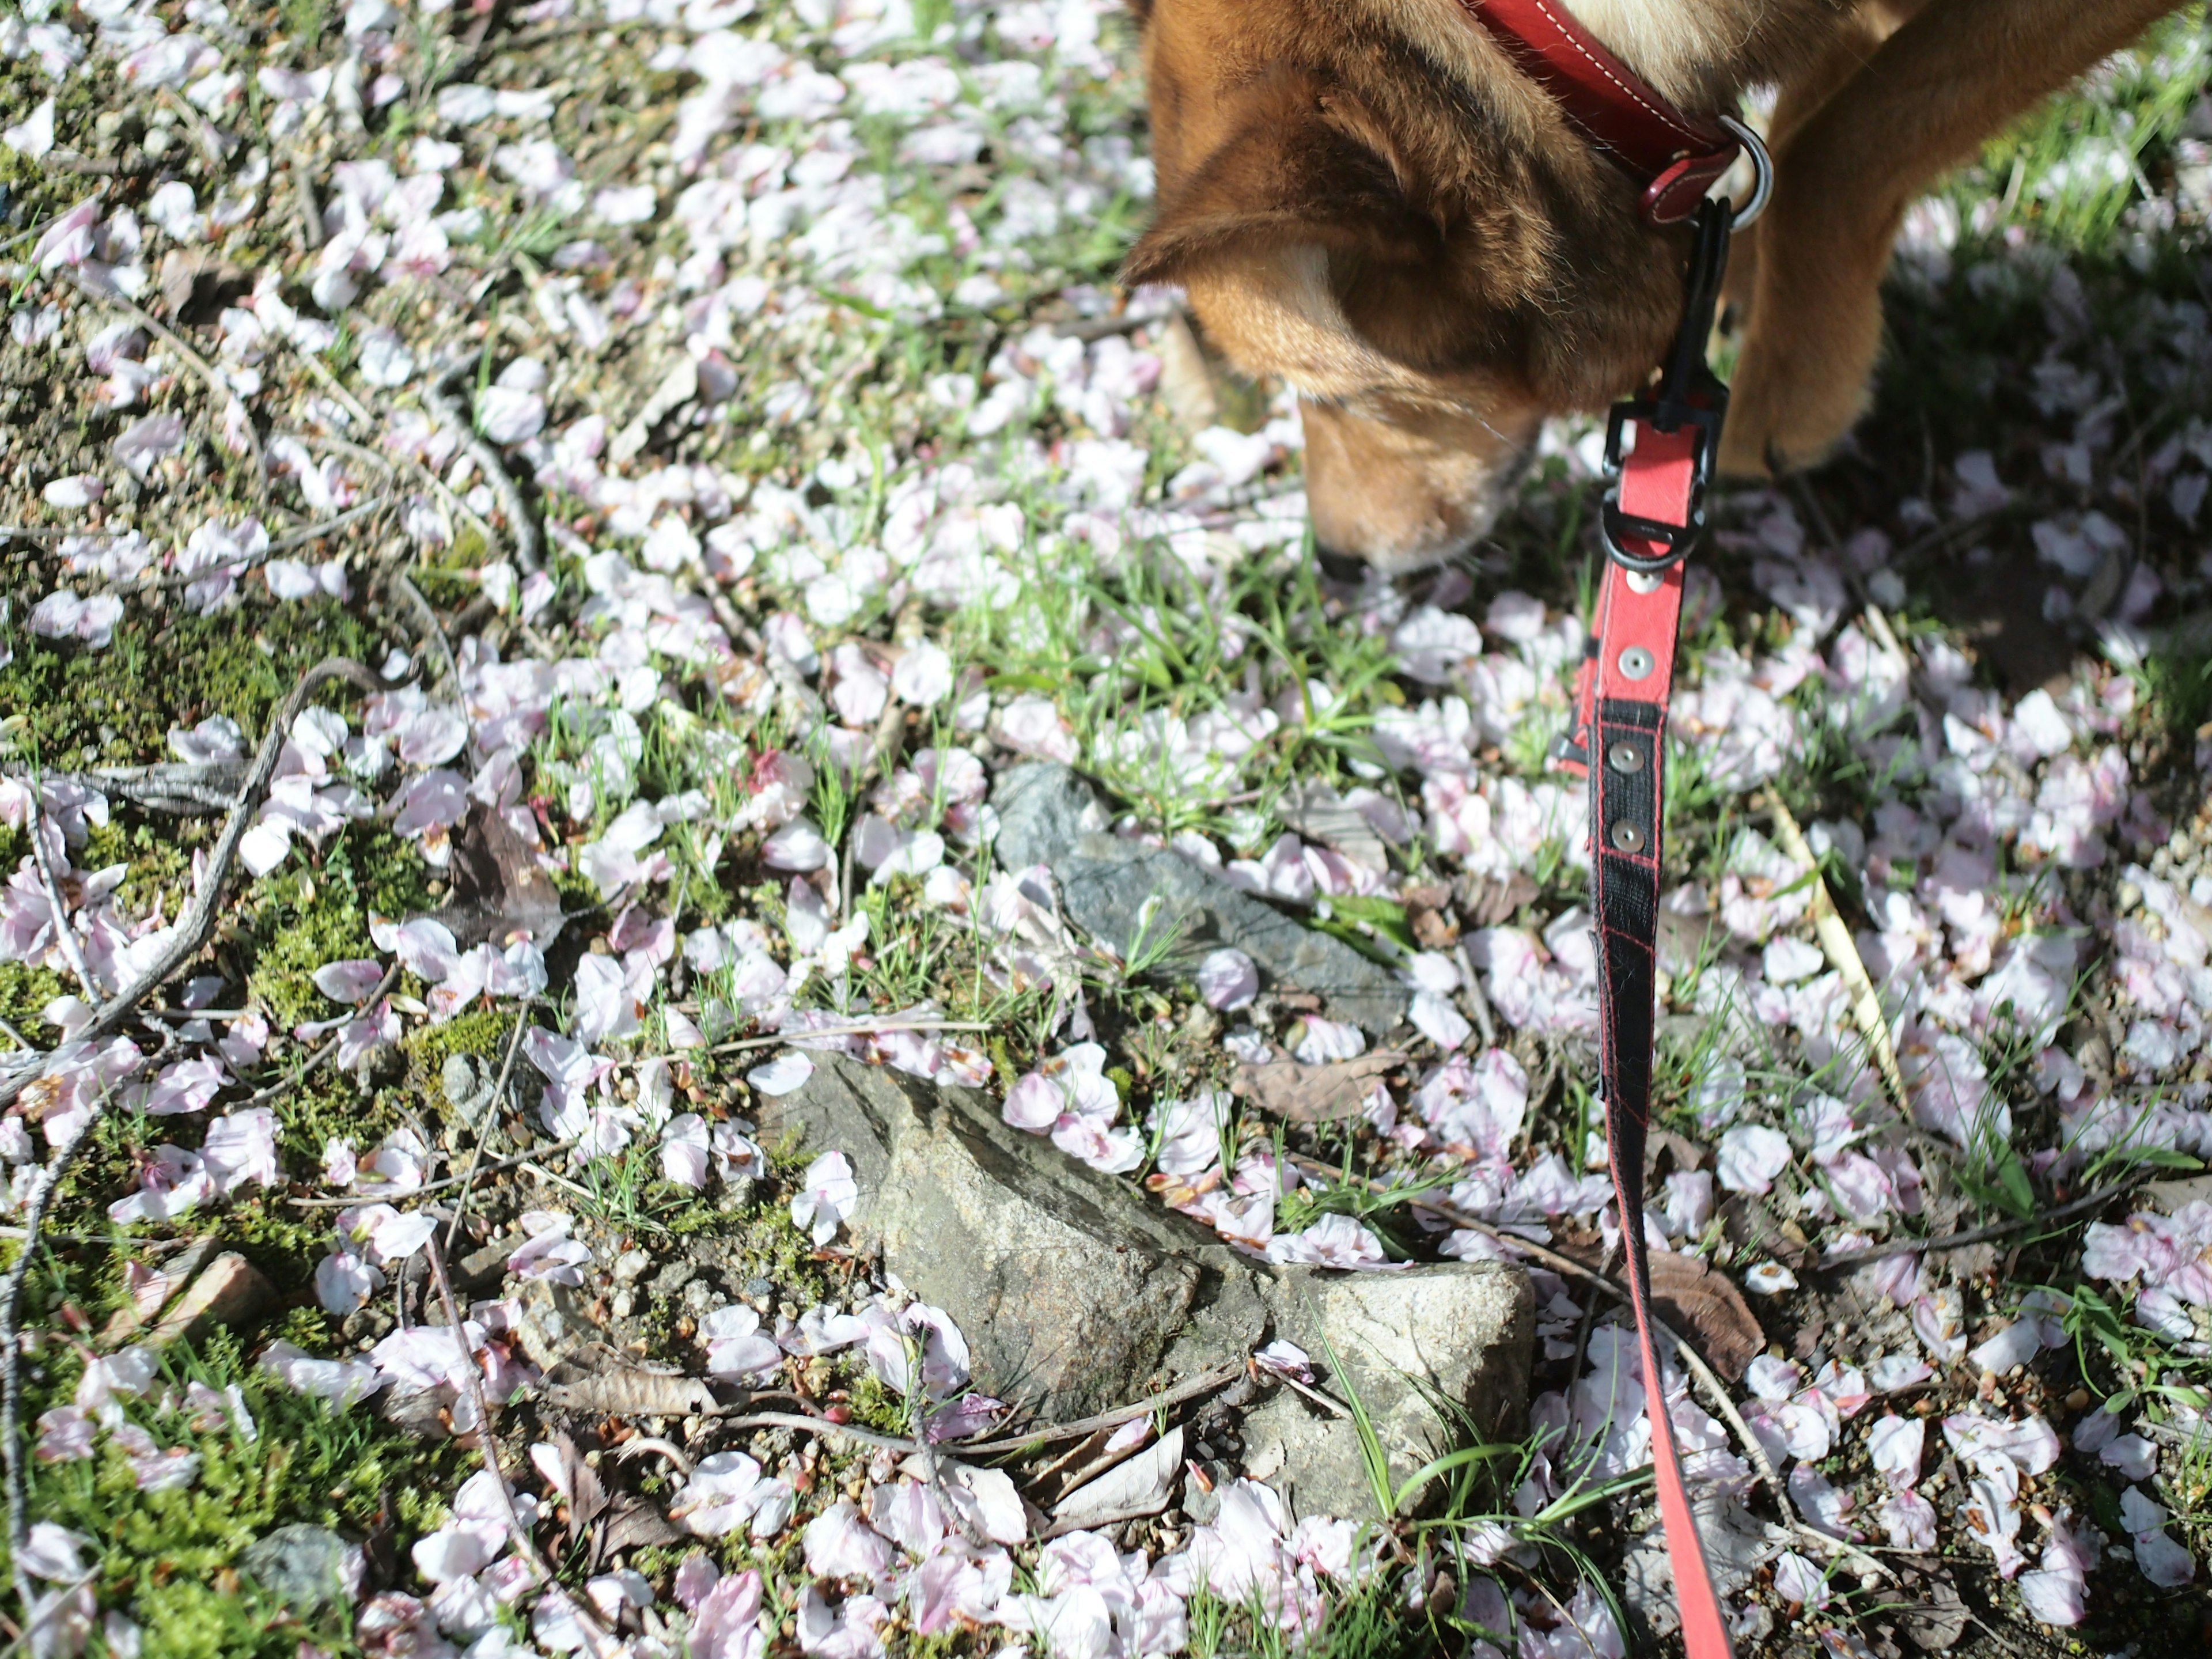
(1688, 394)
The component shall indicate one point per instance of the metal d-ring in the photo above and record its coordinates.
(1762, 169)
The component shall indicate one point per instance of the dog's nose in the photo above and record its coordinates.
(1349, 568)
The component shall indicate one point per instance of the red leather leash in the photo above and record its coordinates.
(1650, 516)
(1660, 452)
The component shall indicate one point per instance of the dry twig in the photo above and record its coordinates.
(491, 1110)
(492, 1167)
(193, 927)
(426, 621)
(1190, 1388)
(165, 787)
(390, 466)
(321, 1056)
(821, 1426)
(1959, 1241)
(522, 528)
(218, 388)
(283, 544)
(63, 932)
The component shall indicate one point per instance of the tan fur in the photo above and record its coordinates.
(1365, 198)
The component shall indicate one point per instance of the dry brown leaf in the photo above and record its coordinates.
(1686, 1154)
(1491, 900)
(619, 1390)
(634, 1523)
(1706, 1307)
(1936, 1619)
(587, 1498)
(1749, 1222)
(1313, 1094)
(499, 890)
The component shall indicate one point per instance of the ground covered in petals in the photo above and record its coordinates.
(534, 535)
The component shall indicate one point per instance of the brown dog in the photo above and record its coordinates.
(1367, 198)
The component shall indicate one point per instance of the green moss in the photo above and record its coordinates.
(294, 941)
(283, 1242)
(484, 1032)
(158, 853)
(876, 1407)
(24, 994)
(117, 705)
(305, 917)
(388, 874)
(172, 1556)
(189, 1617)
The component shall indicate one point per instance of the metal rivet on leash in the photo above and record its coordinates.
(1624, 757)
(1635, 662)
(1644, 582)
(1626, 837)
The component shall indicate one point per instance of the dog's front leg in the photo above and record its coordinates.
(1857, 38)
(1925, 101)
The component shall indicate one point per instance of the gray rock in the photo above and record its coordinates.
(307, 1568)
(1201, 1505)
(1048, 816)
(1069, 1286)
(1462, 1330)
(466, 1086)
(1078, 1293)
(487, 1264)
(554, 1323)
(674, 1277)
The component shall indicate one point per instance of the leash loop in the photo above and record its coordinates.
(1680, 424)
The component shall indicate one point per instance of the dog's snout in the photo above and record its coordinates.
(1398, 487)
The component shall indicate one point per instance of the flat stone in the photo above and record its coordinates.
(1464, 1330)
(1069, 1286)
(1077, 1293)
(229, 1292)
(1048, 816)
(673, 1277)
(486, 1266)
(307, 1568)
(554, 1324)
(467, 1085)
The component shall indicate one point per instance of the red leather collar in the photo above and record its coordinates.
(1675, 157)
